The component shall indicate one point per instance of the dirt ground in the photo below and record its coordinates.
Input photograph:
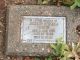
(3, 6)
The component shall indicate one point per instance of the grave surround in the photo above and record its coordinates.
(14, 14)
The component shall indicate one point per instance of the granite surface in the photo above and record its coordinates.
(14, 13)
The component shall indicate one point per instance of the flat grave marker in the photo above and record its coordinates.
(30, 30)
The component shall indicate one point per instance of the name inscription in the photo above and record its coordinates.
(39, 29)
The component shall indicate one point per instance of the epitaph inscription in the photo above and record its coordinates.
(39, 29)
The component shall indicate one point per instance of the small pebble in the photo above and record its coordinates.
(8, 58)
(42, 49)
(1, 58)
(0, 31)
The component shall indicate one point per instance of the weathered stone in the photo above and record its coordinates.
(14, 45)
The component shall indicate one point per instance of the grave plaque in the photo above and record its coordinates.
(30, 31)
(40, 29)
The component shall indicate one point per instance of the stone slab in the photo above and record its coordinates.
(14, 13)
